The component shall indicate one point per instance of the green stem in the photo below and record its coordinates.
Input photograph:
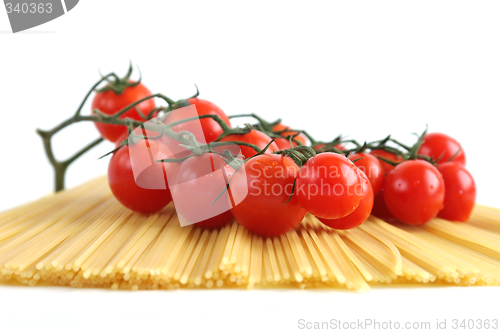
(239, 143)
(265, 125)
(60, 167)
(104, 78)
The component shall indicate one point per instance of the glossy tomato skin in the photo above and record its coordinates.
(328, 186)
(380, 209)
(389, 156)
(263, 211)
(109, 102)
(437, 144)
(321, 145)
(460, 192)
(372, 168)
(124, 186)
(254, 137)
(414, 192)
(361, 213)
(196, 184)
(211, 129)
(283, 143)
(301, 138)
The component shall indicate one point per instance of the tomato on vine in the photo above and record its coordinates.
(322, 145)
(284, 142)
(372, 167)
(148, 192)
(265, 210)
(286, 132)
(328, 186)
(210, 128)
(255, 137)
(460, 192)
(195, 185)
(439, 145)
(380, 208)
(388, 156)
(361, 213)
(414, 191)
(117, 96)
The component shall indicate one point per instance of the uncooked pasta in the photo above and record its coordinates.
(83, 237)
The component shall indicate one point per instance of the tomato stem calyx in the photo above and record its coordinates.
(117, 84)
(60, 167)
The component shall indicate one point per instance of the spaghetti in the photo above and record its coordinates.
(84, 238)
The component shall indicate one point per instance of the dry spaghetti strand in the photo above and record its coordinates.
(84, 238)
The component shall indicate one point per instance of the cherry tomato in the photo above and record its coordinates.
(196, 184)
(389, 156)
(109, 102)
(380, 209)
(255, 137)
(321, 145)
(269, 179)
(328, 186)
(460, 192)
(372, 167)
(437, 144)
(300, 138)
(149, 192)
(361, 213)
(283, 143)
(414, 191)
(211, 129)
(153, 136)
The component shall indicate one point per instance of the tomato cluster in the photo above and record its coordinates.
(275, 178)
(415, 191)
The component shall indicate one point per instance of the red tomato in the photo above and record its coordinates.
(300, 138)
(361, 213)
(283, 143)
(196, 184)
(153, 136)
(389, 156)
(372, 167)
(139, 194)
(269, 179)
(328, 186)
(436, 144)
(321, 145)
(109, 102)
(460, 192)
(414, 192)
(211, 129)
(380, 209)
(254, 137)
(120, 139)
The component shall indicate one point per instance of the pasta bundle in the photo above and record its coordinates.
(83, 237)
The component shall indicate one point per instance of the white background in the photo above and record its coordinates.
(363, 68)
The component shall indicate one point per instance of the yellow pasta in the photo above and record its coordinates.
(83, 238)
